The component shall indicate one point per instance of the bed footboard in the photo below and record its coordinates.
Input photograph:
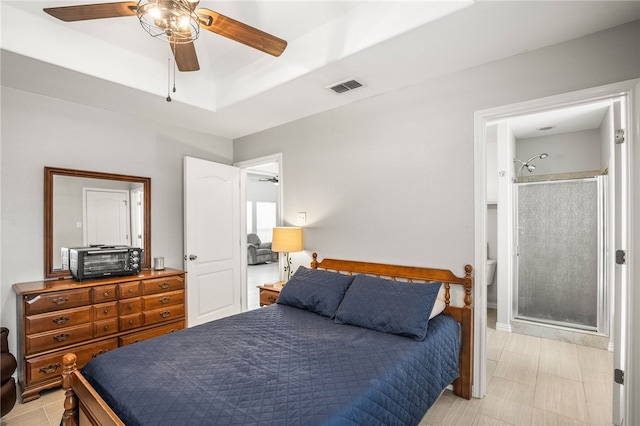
(82, 404)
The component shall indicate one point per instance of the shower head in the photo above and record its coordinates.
(530, 167)
(541, 156)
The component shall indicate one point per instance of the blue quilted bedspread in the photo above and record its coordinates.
(278, 365)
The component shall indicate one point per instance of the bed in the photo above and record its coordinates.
(334, 350)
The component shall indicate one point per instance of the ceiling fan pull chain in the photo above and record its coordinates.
(169, 81)
(174, 73)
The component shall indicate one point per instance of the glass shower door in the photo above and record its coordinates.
(560, 253)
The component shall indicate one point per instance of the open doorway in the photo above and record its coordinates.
(262, 193)
(504, 173)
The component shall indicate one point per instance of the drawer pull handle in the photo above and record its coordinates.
(106, 294)
(106, 327)
(51, 368)
(106, 311)
(272, 299)
(165, 314)
(131, 290)
(130, 322)
(60, 300)
(164, 285)
(173, 330)
(136, 341)
(165, 300)
(61, 337)
(61, 320)
(100, 352)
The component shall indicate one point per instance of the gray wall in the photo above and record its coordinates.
(39, 131)
(568, 152)
(391, 178)
(261, 192)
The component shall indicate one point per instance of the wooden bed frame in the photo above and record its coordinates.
(83, 405)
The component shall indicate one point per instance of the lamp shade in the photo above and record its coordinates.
(287, 239)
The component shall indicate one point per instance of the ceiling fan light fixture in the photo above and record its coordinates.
(174, 21)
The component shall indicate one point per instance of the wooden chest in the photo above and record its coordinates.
(90, 318)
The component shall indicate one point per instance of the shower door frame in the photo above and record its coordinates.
(602, 327)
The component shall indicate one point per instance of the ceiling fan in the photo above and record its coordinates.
(178, 22)
(272, 179)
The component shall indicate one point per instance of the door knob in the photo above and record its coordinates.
(192, 257)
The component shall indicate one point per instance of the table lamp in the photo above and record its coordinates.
(287, 239)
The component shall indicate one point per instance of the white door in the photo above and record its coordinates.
(212, 240)
(137, 218)
(106, 217)
(620, 272)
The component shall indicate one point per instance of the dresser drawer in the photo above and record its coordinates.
(128, 322)
(164, 299)
(130, 306)
(105, 327)
(50, 366)
(105, 293)
(47, 302)
(57, 320)
(105, 310)
(149, 334)
(163, 314)
(55, 339)
(161, 285)
(127, 290)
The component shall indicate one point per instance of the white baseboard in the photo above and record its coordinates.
(503, 327)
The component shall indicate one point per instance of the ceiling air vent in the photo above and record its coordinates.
(345, 86)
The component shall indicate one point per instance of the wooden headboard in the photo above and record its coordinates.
(463, 314)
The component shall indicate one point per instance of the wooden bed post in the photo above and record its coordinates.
(70, 416)
(462, 386)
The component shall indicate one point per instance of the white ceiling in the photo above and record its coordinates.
(558, 121)
(113, 64)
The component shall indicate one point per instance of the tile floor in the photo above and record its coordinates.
(534, 381)
(531, 381)
(45, 411)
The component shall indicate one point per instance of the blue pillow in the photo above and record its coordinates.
(315, 290)
(389, 306)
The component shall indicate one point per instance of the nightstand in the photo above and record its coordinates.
(269, 293)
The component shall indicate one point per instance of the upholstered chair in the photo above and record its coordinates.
(258, 252)
(8, 365)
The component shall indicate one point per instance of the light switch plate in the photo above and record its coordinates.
(302, 218)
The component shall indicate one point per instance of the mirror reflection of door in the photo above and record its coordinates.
(137, 218)
(106, 217)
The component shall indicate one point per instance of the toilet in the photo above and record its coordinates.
(491, 270)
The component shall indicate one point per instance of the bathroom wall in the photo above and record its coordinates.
(568, 152)
(492, 251)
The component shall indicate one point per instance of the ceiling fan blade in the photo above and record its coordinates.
(93, 11)
(185, 54)
(242, 33)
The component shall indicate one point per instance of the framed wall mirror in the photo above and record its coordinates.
(83, 208)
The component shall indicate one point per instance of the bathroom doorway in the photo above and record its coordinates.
(501, 177)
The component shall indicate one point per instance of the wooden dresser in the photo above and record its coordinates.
(90, 318)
